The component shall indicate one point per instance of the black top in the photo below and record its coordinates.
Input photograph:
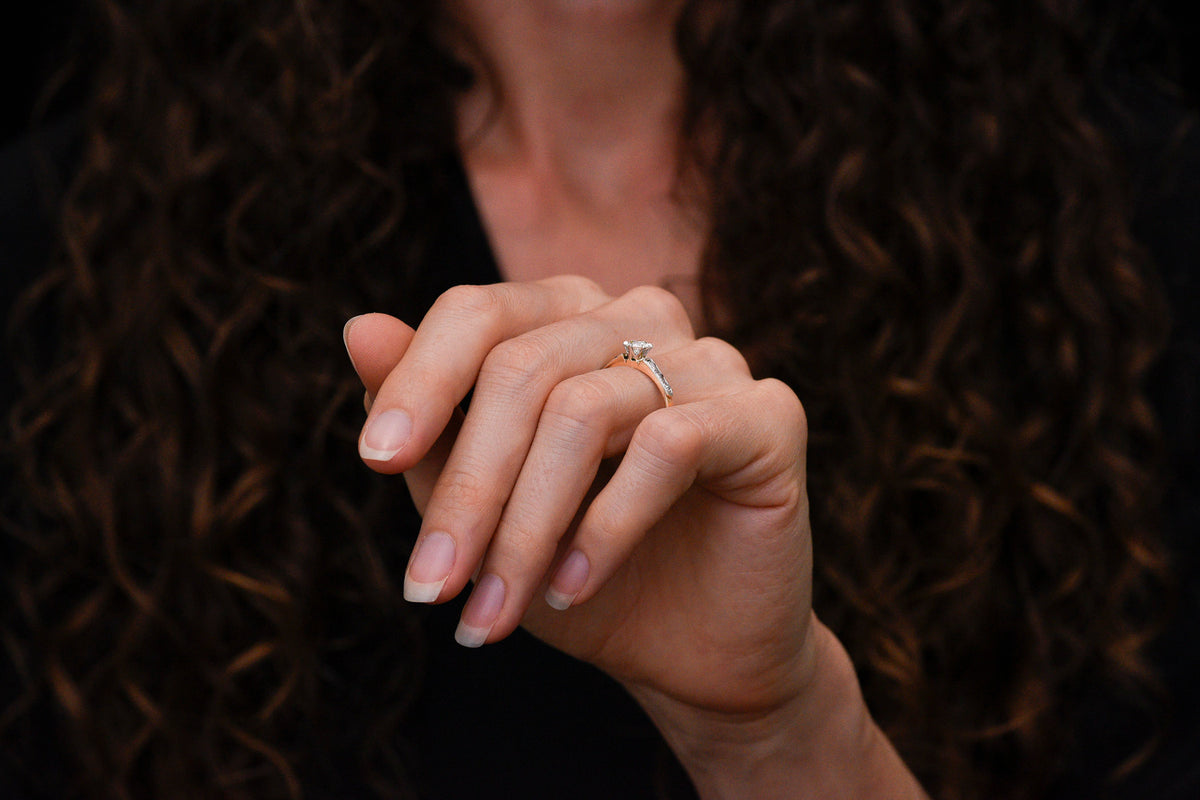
(516, 718)
(520, 719)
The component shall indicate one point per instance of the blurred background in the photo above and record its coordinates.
(32, 50)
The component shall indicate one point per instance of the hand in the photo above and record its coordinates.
(684, 569)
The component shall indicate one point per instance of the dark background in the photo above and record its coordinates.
(33, 45)
(31, 50)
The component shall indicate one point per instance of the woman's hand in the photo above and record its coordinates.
(671, 545)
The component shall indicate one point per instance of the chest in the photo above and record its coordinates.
(621, 240)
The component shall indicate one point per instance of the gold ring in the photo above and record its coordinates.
(635, 356)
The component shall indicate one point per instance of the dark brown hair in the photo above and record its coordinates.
(915, 221)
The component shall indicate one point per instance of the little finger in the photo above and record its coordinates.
(585, 419)
(747, 448)
(516, 379)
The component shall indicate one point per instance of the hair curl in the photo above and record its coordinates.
(916, 222)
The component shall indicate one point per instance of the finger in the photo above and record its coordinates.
(747, 448)
(421, 477)
(375, 344)
(514, 382)
(441, 363)
(585, 419)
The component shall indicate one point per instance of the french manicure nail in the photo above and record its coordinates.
(385, 435)
(568, 581)
(481, 612)
(429, 568)
(346, 339)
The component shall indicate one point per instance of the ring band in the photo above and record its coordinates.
(635, 356)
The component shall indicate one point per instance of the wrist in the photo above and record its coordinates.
(820, 742)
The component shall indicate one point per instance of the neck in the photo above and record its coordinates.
(581, 91)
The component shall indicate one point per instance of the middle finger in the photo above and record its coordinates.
(516, 378)
(586, 418)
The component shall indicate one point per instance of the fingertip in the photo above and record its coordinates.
(568, 581)
(470, 636)
(429, 567)
(385, 435)
(481, 612)
(375, 344)
(559, 601)
(346, 341)
(417, 592)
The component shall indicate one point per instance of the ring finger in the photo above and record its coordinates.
(516, 378)
(586, 419)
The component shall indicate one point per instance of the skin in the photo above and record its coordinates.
(669, 546)
(571, 147)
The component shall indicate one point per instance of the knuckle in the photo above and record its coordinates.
(520, 361)
(608, 527)
(464, 491)
(579, 405)
(722, 356)
(660, 304)
(586, 288)
(471, 302)
(673, 439)
(785, 405)
(516, 545)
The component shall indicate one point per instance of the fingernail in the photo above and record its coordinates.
(568, 581)
(346, 339)
(385, 435)
(481, 611)
(429, 568)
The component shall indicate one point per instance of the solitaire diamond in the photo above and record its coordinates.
(637, 350)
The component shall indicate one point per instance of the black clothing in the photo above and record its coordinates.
(519, 719)
(516, 718)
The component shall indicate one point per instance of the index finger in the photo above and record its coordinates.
(442, 362)
(375, 344)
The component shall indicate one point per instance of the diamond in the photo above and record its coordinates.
(636, 350)
(662, 379)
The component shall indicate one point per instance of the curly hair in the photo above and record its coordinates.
(916, 222)
(969, 322)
